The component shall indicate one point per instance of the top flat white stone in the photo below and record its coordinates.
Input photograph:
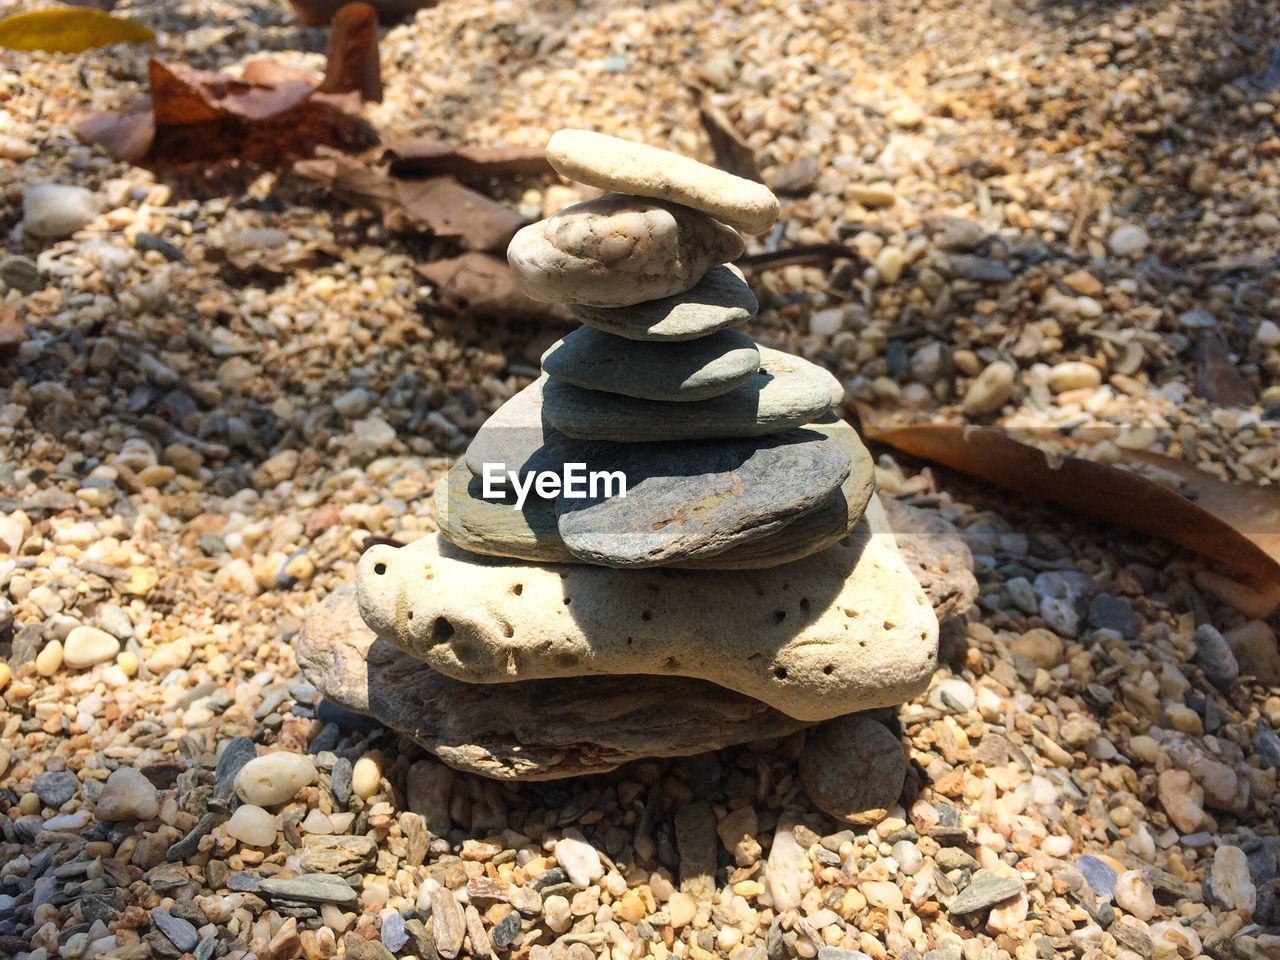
(612, 163)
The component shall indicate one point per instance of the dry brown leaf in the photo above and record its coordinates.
(423, 157)
(440, 205)
(1236, 524)
(317, 13)
(730, 148)
(353, 63)
(269, 116)
(479, 284)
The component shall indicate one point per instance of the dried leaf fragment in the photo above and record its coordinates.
(479, 284)
(439, 205)
(353, 54)
(69, 30)
(425, 157)
(268, 116)
(1236, 524)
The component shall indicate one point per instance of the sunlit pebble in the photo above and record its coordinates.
(317, 823)
(252, 825)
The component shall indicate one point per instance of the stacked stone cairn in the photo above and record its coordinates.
(745, 586)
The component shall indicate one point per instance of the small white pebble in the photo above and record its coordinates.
(252, 825)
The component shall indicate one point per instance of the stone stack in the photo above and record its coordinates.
(745, 586)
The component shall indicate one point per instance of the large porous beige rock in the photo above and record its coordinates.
(845, 630)
(615, 251)
(496, 528)
(612, 163)
(538, 730)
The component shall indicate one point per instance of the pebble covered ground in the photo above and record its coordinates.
(226, 385)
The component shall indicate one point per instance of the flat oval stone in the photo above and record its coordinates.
(618, 250)
(698, 499)
(494, 528)
(721, 299)
(697, 370)
(787, 392)
(612, 163)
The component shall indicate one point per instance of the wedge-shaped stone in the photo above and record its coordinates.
(495, 528)
(518, 436)
(721, 299)
(680, 372)
(787, 392)
(612, 163)
(699, 498)
(845, 630)
(539, 730)
(617, 250)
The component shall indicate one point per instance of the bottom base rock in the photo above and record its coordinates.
(534, 730)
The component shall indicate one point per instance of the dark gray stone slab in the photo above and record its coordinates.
(494, 528)
(310, 888)
(720, 299)
(698, 499)
(680, 372)
(787, 392)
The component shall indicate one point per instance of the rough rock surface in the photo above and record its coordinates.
(700, 498)
(787, 392)
(697, 370)
(937, 553)
(853, 768)
(721, 299)
(494, 528)
(845, 630)
(617, 250)
(539, 730)
(612, 163)
(518, 436)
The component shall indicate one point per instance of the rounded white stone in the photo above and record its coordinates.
(579, 860)
(252, 825)
(88, 646)
(274, 778)
(127, 795)
(612, 163)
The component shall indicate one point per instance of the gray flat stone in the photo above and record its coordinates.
(787, 392)
(496, 529)
(310, 888)
(697, 370)
(518, 436)
(985, 890)
(720, 299)
(698, 498)
(180, 932)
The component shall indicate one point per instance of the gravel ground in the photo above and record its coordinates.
(1067, 213)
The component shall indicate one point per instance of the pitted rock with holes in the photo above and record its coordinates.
(845, 630)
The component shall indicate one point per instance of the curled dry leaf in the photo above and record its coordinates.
(69, 30)
(730, 148)
(439, 205)
(353, 54)
(317, 13)
(479, 284)
(424, 157)
(270, 115)
(1235, 524)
